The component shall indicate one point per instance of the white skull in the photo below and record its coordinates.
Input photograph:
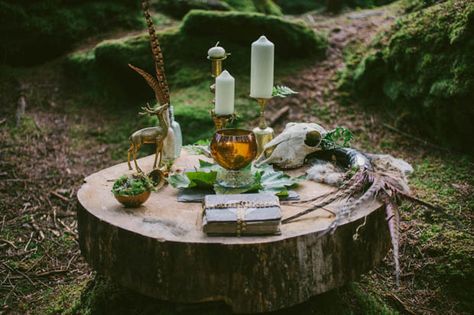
(291, 147)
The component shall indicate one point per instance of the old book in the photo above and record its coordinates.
(241, 214)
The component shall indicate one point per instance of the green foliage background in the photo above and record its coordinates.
(35, 31)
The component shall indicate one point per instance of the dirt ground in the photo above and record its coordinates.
(61, 138)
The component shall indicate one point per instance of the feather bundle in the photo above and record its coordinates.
(373, 181)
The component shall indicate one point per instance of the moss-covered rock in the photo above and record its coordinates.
(302, 6)
(179, 8)
(424, 68)
(292, 40)
(267, 7)
(35, 31)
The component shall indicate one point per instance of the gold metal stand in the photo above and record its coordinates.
(216, 69)
(263, 132)
(221, 121)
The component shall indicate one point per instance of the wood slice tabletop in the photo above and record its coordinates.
(159, 249)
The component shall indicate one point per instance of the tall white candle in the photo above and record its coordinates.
(261, 73)
(225, 90)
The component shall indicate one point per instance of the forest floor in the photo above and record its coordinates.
(61, 138)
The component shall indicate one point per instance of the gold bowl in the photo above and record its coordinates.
(133, 201)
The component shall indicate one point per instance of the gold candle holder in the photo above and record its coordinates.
(216, 68)
(220, 121)
(263, 133)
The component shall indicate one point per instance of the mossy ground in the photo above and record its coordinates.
(67, 134)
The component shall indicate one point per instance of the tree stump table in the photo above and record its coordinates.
(159, 249)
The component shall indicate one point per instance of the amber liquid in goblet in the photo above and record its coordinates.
(233, 149)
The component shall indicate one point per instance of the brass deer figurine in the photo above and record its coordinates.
(151, 135)
(154, 135)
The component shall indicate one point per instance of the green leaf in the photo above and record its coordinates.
(266, 179)
(276, 181)
(207, 166)
(338, 137)
(179, 181)
(202, 179)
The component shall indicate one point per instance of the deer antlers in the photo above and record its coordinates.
(148, 110)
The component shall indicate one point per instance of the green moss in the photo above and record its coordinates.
(180, 8)
(302, 6)
(241, 5)
(424, 67)
(34, 31)
(299, 6)
(267, 7)
(292, 40)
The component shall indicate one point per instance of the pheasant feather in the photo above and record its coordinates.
(393, 219)
(157, 53)
(153, 83)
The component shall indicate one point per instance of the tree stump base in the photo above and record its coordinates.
(159, 249)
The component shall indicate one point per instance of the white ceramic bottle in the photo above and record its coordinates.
(169, 146)
(178, 136)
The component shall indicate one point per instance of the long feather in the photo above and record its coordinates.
(157, 53)
(393, 220)
(152, 82)
(338, 195)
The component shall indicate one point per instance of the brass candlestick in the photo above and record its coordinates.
(216, 68)
(263, 132)
(220, 121)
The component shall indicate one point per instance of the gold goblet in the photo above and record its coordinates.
(234, 150)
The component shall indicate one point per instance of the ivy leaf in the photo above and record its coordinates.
(282, 91)
(338, 137)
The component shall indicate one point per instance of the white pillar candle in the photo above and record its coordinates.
(225, 90)
(261, 71)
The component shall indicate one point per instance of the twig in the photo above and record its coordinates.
(29, 241)
(419, 140)
(55, 194)
(438, 209)
(19, 272)
(48, 273)
(405, 308)
(9, 243)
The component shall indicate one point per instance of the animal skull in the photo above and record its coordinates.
(290, 148)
